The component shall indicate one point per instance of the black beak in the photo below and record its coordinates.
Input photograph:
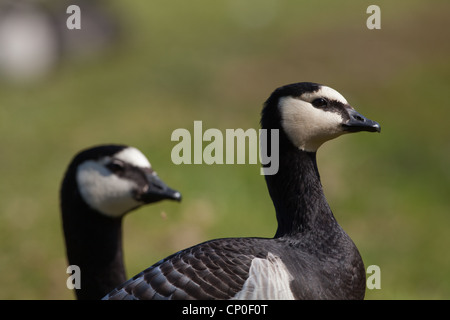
(157, 190)
(358, 122)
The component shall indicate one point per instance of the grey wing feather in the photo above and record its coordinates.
(212, 270)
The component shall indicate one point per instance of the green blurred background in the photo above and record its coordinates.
(177, 62)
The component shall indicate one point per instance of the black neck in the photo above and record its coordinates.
(93, 243)
(297, 194)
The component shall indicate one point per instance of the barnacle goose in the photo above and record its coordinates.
(100, 186)
(310, 257)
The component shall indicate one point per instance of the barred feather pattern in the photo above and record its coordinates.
(215, 269)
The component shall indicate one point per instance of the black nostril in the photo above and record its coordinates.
(358, 118)
(157, 186)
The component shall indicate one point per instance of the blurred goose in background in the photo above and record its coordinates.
(100, 186)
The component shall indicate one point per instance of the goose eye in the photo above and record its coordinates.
(320, 103)
(116, 166)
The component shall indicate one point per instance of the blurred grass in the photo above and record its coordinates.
(181, 62)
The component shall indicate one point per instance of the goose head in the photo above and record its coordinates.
(116, 179)
(310, 114)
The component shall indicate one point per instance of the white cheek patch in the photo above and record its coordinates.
(134, 157)
(104, 191)
(268, 279)
(308, 127)
(324, 92)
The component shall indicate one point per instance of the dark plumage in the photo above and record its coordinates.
(310, 257)
(94, 238)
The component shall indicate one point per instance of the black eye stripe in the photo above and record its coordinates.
(320, 103)
(127, 171)
(116, 166)
(331, 106)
